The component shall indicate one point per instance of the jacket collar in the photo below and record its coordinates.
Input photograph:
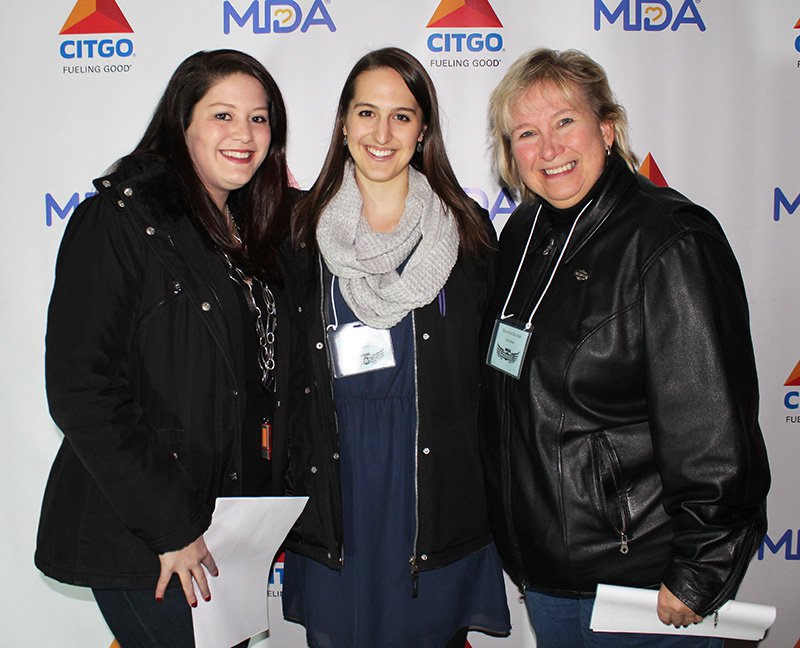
(153, 184)
(613, 184)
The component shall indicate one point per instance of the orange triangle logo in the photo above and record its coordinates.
(464, 13)
(96, 17)
(650, 170)
(794, 378)
(797, 26)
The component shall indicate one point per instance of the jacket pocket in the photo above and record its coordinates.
(627, 484)
(172, 290)
(610, 488)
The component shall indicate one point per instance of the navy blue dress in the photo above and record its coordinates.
(368, 603)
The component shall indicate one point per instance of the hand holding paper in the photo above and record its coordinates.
(244, 536)
(628, 609)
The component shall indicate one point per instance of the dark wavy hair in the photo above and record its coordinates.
(262, 205)
(432, 161)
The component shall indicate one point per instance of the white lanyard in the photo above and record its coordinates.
(503, 314)
(335, 324)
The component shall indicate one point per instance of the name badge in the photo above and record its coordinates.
(508, 347)
(357, 348)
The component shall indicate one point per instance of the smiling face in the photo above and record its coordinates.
(383, 124)
(559, 147)
(228, 136)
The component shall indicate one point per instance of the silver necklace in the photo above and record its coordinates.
(266, 322)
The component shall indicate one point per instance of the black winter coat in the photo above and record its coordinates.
(144, 373)
(451, 502)
(629, 451)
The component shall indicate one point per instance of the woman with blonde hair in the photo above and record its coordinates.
(620, 398)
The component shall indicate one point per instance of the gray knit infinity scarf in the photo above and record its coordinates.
(366, 262)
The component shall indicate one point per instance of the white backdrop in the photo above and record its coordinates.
(712, 88)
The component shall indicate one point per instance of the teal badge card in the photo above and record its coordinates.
(507, 348)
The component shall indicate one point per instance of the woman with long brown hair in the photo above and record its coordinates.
(393, 548)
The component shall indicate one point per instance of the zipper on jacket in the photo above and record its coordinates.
(536, 285)
(323, 319)
(603, 445)
(505, 476)
(414, 576)
(735, 577)
(216, 298)
(413, 560)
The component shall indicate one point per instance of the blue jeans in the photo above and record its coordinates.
(137, 621)
(563, 622)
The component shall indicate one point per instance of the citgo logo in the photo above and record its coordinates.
(99, 17)
(464, 13)
(797, 40)
(650, 15)
(467, 15)
(96, 17)
(791, 400)
(277, 16)
(649, 169)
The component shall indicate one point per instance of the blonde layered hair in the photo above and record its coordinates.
(568, 70)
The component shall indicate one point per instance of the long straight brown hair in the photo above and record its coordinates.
(432, 161)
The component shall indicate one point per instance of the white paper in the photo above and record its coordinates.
(628, 609)
(243, 538)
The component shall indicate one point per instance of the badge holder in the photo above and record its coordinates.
(357, 348)
(508, 346)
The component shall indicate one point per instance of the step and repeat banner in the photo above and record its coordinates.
(712, 88)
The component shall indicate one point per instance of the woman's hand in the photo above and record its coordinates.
(188, 564)
(672, 611)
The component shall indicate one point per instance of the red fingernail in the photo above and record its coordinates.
(159, 599)
(207, 598)
(194, 604)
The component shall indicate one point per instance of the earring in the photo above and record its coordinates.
(419, 146)
(345, 140)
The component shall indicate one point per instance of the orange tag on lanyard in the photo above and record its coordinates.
(266, 439)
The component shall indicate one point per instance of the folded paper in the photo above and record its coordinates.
(628, 609)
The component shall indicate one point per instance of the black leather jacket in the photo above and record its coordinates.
(629, 451)
(451, 502)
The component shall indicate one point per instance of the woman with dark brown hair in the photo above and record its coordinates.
(168, 341)
(393, 548)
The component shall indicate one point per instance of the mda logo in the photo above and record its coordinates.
(781, 202)
(791, 400)
(650, 15)
(277, 16)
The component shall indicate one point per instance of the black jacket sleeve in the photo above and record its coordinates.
(702, 394)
